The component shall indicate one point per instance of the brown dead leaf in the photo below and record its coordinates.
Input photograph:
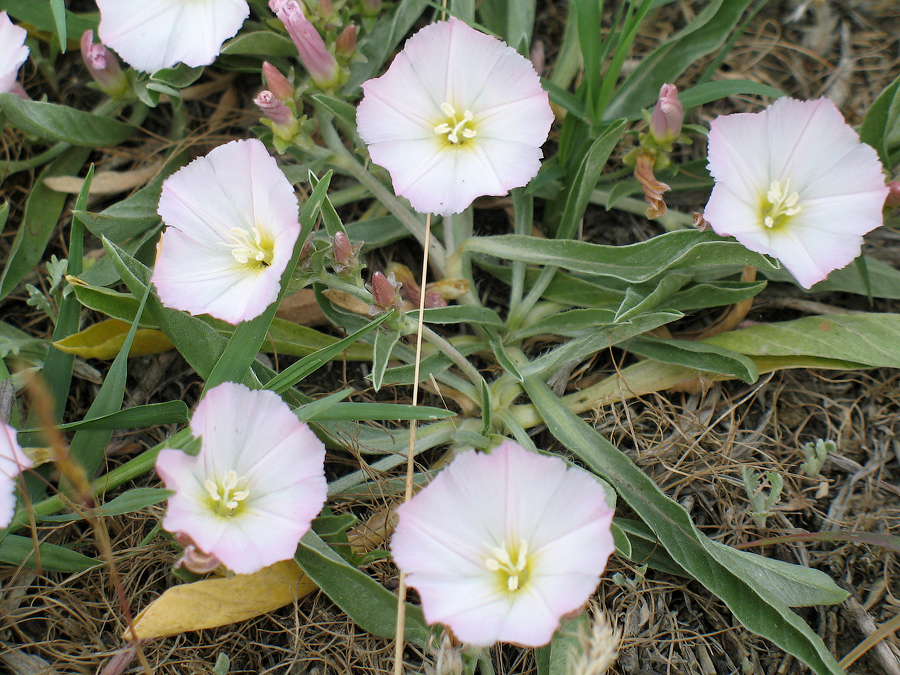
(301, 308)
(105, 182)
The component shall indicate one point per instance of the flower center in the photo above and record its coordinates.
(455, 127)
(225, 500)
(780, 204)
(511, 565)
(250, 247)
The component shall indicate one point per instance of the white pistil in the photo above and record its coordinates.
(225, 497)
(455, 127)
(500, 561)
(783, 203)
(248, 248)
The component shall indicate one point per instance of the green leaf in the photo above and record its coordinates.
(129, 502)
(697, 355)
(565, 643)
(468, 314)
(761, 607)
(264, 43)
(42, 213)
(16, 550)
(368, 604)
(635, 263)
(379, 411)
(62, 123)
(877, 124)
(385, 339)
(89, 445)
(884, 280)
(148, 415)
(569, 322)
(294, 339)
(587, 16)
(866, 339)
(645, 548)
(598, 340)
(59, 17)
(177, 77)
(714, 91)
(389, 30)
(585, 179)
(519, 25)
(297, 371)
(41, 16)
(703, 35)
(345, 112)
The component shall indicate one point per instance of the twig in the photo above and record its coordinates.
(410, 457)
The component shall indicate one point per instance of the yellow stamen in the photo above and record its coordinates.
(224, 498)
(455, 128)
(510, 575)
(780, 204)
(250, 247)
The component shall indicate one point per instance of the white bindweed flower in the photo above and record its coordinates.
(154, 34)
(500, 546)
(12, 462)
(231, 221)
(13, 53)
(794, 182)
(252, 491)
(457, 115)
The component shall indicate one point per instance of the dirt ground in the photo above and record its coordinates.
(693, 445)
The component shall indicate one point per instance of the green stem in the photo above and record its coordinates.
(450, 352)
(38, 160)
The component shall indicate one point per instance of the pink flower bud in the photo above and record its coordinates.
(103, 66)
(274, 109)
(384, 291)
(345, 256)
(325, 9)
(345, 44)
(665, 123)
(277, 83)
(893, 198)
(319, 62)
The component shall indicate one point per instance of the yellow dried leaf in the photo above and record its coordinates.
(104, 340)
(217, 602)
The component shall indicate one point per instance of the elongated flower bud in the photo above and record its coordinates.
(345, 44)
(319, 62)
(325, 9)
(274, 109)
(103, 66)
(665, 123)
(384, 292)
(277, 83)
